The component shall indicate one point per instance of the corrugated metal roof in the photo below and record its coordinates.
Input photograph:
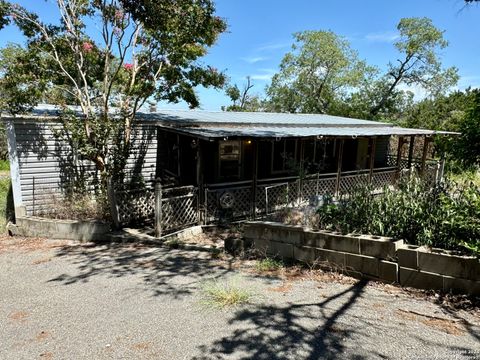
(220, 124)
(243, 118)
(299, 131)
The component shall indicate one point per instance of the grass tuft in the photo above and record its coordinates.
(224, 295)
(269, 264)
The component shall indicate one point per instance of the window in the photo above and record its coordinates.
(229, 159)
(284, 155)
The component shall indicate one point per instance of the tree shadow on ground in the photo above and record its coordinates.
(161, 271)
(289, 332)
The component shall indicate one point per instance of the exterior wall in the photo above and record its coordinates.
(43, 161)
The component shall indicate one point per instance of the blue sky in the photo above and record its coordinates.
(260, 33)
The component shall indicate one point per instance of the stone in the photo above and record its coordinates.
(463, 286)
(333, 257)
(407, 256)
(450, 265)
(420, 279)
(282, 250)
(304, 254)
(388, 271)
(364, 264)
(382, 248)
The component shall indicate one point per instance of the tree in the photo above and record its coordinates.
(242, 100)
(467, 147)
(419, 63)
(147, 50)
(320, 69)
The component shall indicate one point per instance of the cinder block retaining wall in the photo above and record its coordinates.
(374, 257)
(59, 229)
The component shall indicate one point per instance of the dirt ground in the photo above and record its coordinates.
(61, 300)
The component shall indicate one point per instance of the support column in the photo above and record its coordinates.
(372, 157)
(158, 209)
(426, 143)
(200, 180)
(401, 142)
(410, 150)
(254, 178)
(302, 171)
(339, 166)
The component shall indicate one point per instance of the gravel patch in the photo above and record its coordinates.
(65, 301)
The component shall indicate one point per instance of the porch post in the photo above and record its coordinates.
(339, 166)
(426, 143)
(302, 171)
(158, 209)
(372, 157)
(254, 178)
(401, 141)
(200, 179)
(410, 151)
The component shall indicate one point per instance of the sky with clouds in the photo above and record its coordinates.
(260, 33)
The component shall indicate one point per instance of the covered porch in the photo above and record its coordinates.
(227, 166)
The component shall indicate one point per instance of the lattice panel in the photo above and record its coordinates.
(178, 212)
(348, 183)
(317, 187)
(382, 179)
(430, 174)
(135, 205)
(240, 202)
(281, 196)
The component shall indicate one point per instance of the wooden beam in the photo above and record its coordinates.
(200, 178)
(339, 165)
(158, 209)
(254, 178)
(401, 142)
(426, 143)
(410, 150)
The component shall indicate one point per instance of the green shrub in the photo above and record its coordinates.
(445, 216)
(268, 264)
(222, 295)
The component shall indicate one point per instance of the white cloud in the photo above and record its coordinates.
(263, 74)
(254, 59)
(273, 46)
(386, 36)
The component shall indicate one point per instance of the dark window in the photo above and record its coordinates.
(229, 159)
(284, 155)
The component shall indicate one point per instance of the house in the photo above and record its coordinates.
(237, 163)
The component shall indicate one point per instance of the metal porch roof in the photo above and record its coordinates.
(220, 124)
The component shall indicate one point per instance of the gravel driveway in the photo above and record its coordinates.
(62, 301)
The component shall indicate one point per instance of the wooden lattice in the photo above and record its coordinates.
(382, 179)
(313, 187)
(179, 211)
(135, 205)
(240, 202)
(350, 182)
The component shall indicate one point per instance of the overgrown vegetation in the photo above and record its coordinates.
(224, 294)
(445, 216)
(4, 190)
(78, 207)
(269, 264)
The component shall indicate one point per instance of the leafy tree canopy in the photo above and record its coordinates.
(147, 50)
(321, 68)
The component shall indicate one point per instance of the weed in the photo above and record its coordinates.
(224, 294)
(269, 264)
(173, 243)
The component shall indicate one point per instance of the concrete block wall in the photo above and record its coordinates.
(374, 257)
(59, 229)
(370, 256)
(439, 270)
